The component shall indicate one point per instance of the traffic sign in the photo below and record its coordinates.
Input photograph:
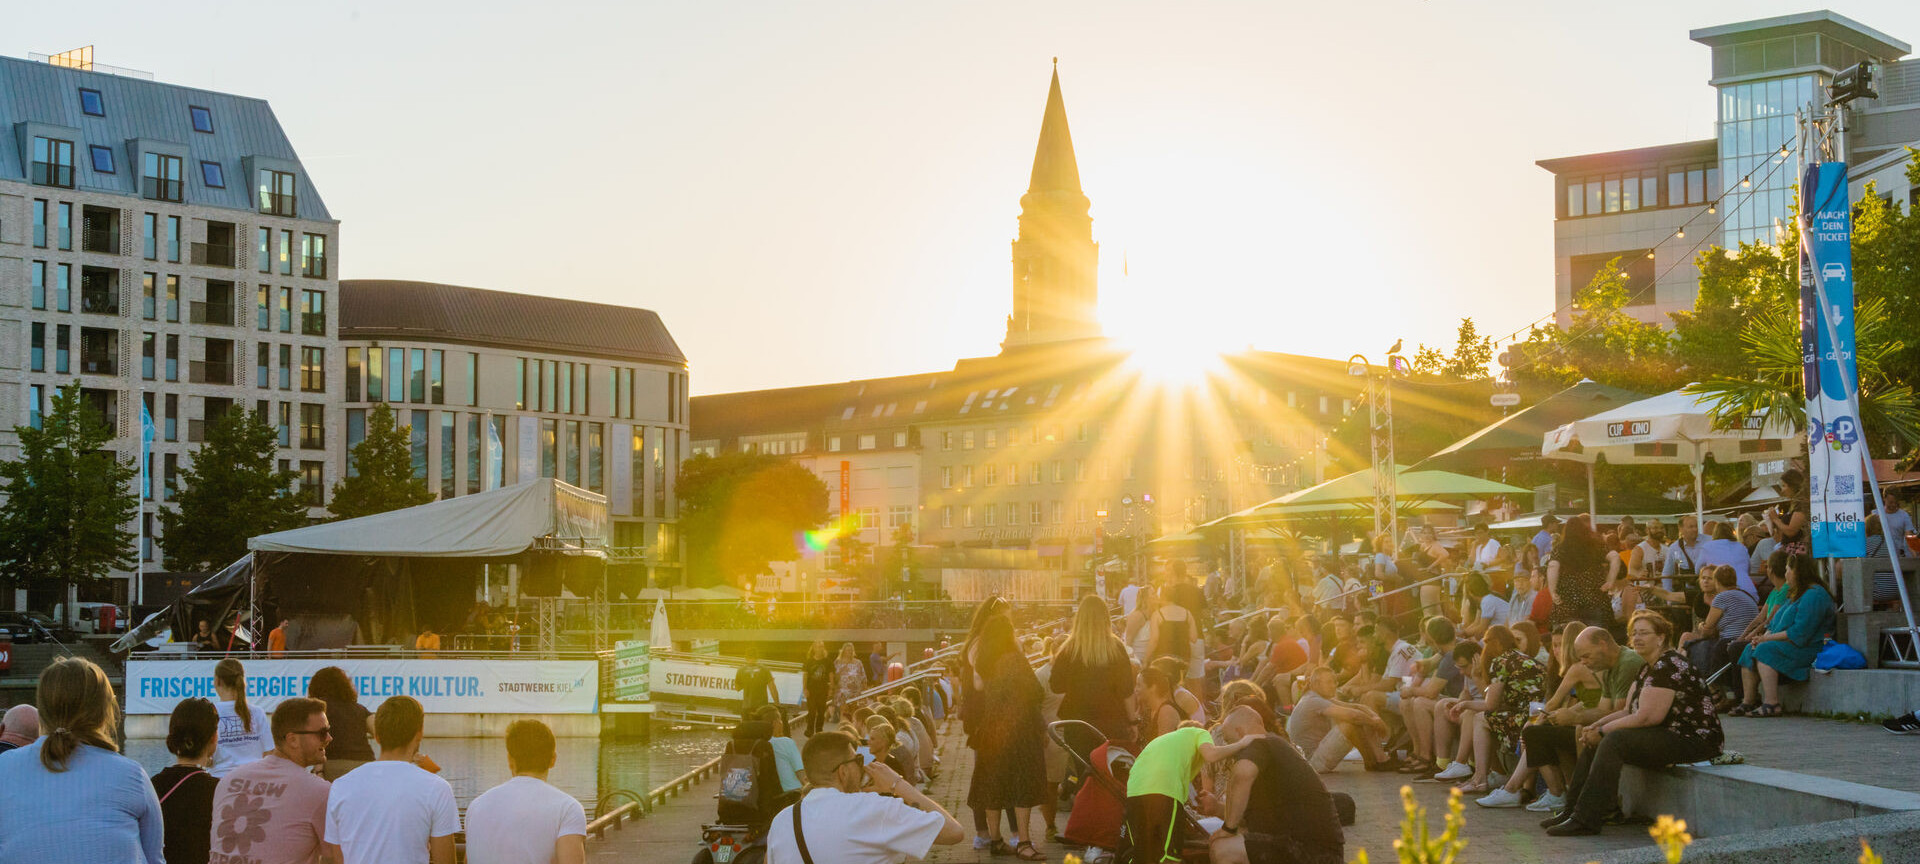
(1502, 400)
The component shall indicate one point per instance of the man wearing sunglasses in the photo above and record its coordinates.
(273, 810)
(847, 817)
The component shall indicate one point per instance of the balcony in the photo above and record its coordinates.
(313, 324)
(314, 266)
(209, 372)
(53, 174)
(221, 314)
(99, 364)
(213, 254)
(99, 291)
(106, 242)
(279, 204)
(156, 189)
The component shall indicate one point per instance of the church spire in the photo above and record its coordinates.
(1054, 258)
(1054, 168)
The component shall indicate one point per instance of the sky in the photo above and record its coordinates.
(820, 191)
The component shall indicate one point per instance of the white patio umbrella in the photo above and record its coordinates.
(661, 637)
(1676, 428)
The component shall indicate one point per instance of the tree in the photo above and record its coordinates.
(383, 477)
(1471, 354)
(69, 500)
(741, 511)
(231, 492)
(1602, 342)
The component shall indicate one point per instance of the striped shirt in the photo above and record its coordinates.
(1737, 610)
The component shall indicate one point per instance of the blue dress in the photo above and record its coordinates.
(1806, 621)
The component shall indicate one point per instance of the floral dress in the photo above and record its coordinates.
(1692, 715)
(1523, 682)
(850, 679)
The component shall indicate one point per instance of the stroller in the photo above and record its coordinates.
(749, 798)
(1098, 819)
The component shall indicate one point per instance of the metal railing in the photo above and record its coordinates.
(201, 312)
(213, 254)
(100, 240)
(209, 372)
(574, 616)
(156, 189)
(645, 805)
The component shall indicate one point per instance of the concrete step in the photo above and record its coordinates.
(1851, 692)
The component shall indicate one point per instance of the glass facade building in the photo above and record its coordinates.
(1756, 119)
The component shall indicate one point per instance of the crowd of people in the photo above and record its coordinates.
(295, 786)
(1526, 673)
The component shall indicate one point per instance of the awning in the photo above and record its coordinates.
(1518, 435)
(506, 521)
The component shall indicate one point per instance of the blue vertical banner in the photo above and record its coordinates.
(1834, 466)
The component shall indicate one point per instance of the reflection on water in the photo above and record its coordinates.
(586, 768)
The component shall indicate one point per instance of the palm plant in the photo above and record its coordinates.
(1770, 349)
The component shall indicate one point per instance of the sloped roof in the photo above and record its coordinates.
(137, 108)
(400, 309)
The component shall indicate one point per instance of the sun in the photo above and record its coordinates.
(1167, 347)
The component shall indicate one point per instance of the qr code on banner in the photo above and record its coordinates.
(1843, 484)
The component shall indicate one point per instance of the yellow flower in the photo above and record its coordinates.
(1672, 837)
(1867, 855)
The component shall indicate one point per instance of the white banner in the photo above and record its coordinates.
(713, 681)
(442, 686)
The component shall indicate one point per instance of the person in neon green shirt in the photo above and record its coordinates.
(1158, 784)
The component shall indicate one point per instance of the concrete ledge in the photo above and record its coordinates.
(1879, 692)
(1895, 837)
(1734, 799)
(438, 725)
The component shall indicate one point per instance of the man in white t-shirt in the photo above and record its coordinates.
(1129, 596)
(1485, 549)
(842, 825)
(391, 811)
(525, 820)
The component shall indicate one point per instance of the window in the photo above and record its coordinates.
(966, 515)
(473, 378)
(150, 237)
(285, 425)
(313, 256)
(1059, 513)
(1033, 474)
(991, 514)
(966, 476)
(263, 250)
(436, 375)
(520, 395)
(313, 487)
(993, 438)
(867, 442)
(833, 443)
(1033, 513)
(173, 298)
(91, 104)
(36, 404)
(899, 514)
(448, 455)
(37, 274)
(549, 441)
(212, 175)
(63, 287)
(1635, 268)
(286, 367)
(946, 440)
(202, 118)
(1059, 471)
(353, 374)
(596, 450)
(946, 516)
(417, 431)
(313, 420)
(39, 223)
(173, 239)
(396, 374)
(966, 440)
(946, 477)
(899, 439)
(173, 367)
(286, 310)
(263, 366)
(63, 227)
(374, 366)
(37, 358)
(149, 345)
(417, 376)
(286, 253)
(473, 454)
(991, 476)
(313, 370)
(313, 313)
(276, 193)
(356, 433)
(102, 158)
(160, 180)
(52, 162)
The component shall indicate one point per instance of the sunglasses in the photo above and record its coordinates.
(324, 731)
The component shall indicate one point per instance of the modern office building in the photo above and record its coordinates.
(1735, 187)
(499, 388)
(1050, 449)
(163, 245)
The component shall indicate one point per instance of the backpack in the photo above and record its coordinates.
(739, 781)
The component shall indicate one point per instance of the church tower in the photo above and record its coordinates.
(1055, 261)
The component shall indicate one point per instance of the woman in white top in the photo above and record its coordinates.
(244, 732)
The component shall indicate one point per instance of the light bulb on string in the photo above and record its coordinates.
(1681, 234)
(1746, 182)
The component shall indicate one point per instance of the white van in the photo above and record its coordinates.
(93, 617)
